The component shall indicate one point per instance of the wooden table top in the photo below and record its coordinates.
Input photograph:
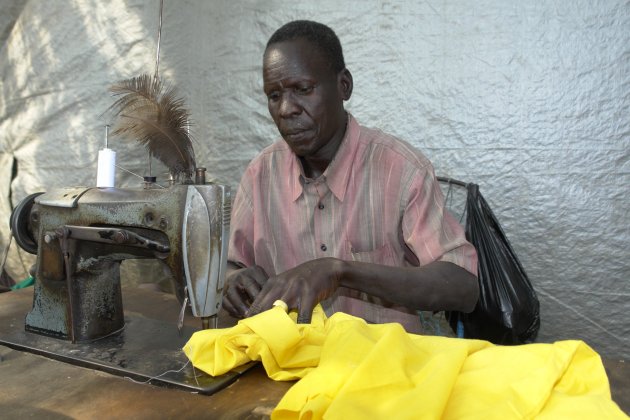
(39, 387)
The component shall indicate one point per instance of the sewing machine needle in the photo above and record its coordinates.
(182, 312)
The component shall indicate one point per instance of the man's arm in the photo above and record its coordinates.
(436, 286)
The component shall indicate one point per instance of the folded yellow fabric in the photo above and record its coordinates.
(353, 370)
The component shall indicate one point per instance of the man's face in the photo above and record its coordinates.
(305, 98)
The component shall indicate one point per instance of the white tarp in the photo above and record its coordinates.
(530, 100)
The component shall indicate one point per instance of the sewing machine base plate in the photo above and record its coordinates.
(146, 351)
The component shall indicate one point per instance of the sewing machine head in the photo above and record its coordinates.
(81, 235)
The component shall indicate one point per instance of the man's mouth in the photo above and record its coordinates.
(294, 135)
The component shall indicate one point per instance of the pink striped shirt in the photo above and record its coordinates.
(378, 201)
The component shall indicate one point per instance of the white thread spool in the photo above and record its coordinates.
(106, 170)
(106, 174)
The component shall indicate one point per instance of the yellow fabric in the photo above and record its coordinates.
(353, 370)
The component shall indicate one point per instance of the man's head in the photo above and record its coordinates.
(306, 83)
(319, 35)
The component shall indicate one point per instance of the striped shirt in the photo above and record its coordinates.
(378, 201)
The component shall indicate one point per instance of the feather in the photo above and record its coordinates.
(155, 117)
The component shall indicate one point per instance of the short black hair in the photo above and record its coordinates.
(319, 34)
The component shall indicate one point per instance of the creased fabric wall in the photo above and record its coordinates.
(530, 100)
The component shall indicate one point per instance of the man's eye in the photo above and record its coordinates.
(304, 90)
(273, 96)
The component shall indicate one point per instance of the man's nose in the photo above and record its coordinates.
(288, 106)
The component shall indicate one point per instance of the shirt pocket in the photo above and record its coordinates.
(383, 254)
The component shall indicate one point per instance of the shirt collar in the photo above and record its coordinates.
(338, 172)
(295, 174)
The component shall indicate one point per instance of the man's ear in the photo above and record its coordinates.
(345, 84)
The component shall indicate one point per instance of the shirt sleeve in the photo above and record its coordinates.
(429, 229)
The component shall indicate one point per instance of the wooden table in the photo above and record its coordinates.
(38, 387)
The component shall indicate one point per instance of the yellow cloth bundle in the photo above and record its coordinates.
(353, 370)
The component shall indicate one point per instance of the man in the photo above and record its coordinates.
(338, 213)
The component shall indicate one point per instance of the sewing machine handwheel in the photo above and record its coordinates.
(20, 224)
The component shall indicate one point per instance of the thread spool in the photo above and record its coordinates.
(200, 176)
(106, 172)
(149, 182)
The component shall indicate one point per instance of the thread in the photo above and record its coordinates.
(162, 374)
(106, 172)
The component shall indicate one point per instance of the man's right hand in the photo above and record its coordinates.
(242, 287)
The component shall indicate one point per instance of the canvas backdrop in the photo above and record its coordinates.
(530, 100)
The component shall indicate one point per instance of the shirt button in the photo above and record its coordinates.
(321, 206)
(323, 247)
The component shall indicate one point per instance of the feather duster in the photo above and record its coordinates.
(155, 117)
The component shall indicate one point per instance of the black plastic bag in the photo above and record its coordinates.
(508, 311)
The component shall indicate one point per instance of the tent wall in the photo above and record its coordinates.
(530, 100)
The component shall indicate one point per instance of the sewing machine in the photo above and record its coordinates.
(81, 235)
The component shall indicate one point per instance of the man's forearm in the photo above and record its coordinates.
(436, 286)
